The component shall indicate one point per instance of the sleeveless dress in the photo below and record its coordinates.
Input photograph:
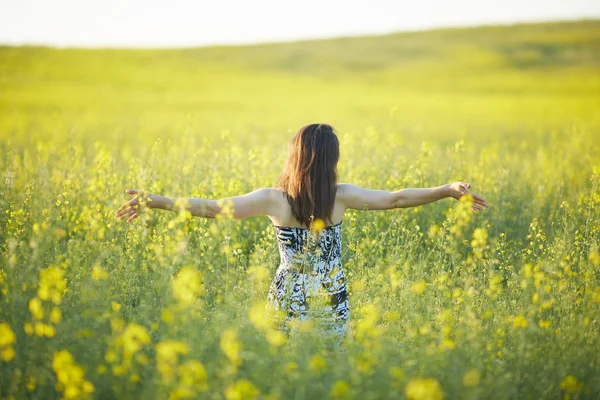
(309, 283)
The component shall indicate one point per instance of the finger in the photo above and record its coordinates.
(123, 210)
(128, 213)
(124, 206)
(479, 199)
(132, 191)
(134, 216)
(131, 203)
(480, 202)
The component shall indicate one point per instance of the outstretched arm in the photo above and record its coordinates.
(359, 198)
(254, 203)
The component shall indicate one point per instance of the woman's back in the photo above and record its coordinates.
(283, 215)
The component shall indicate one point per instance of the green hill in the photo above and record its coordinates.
(470, 78)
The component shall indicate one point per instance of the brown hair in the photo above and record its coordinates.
(309, 177)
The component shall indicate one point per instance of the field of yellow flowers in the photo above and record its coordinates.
(445, 303)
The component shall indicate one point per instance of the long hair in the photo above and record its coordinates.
(309, 177)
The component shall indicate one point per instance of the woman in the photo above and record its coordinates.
(306, 208)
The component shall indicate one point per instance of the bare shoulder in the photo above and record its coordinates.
(274, 196)
(267, 194)
(345, 192)
(345, 189)
(279, 208)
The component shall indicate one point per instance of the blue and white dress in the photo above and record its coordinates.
(311, 268)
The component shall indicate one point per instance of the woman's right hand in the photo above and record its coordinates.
(460, 189)
(133, 208)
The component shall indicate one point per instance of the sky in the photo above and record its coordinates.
(185, 23)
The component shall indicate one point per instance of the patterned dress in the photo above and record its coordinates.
(309, 283)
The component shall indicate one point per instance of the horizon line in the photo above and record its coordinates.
(304, 39)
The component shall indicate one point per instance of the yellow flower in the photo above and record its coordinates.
(366, 327)
(424, 389)
(181, 392)
(39, 328)
(60, 233)
(87, 387)
(242, 390)
(117, 324)
(275, 338)
(35, 307)
(70, 376)
(31, 384)
(340, 390)
(28, 328)
(142, 359)
(433, 231)
(231, 347)
(98, 273)
(596, 295)
(447, 344)
(318, 225)
(55, 315)
(544, 324)
(7, 354)
(72, 392)
(133, 338)
(317, 364)
(480, 236)
(167, 316)
(397, 373)
(7, 336)
(290, 368)
(167, 354)
(61, 360)
(115, 306)
(52, 284)
(119, 370)
(391, 316)
(571, 385)
(192, 375)
(48, 330)
(110, 356)
(471, 378)
(257, 316)
(520, 322)
(258, 274)
(187, 285)
(418, 288)
(594, 258)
